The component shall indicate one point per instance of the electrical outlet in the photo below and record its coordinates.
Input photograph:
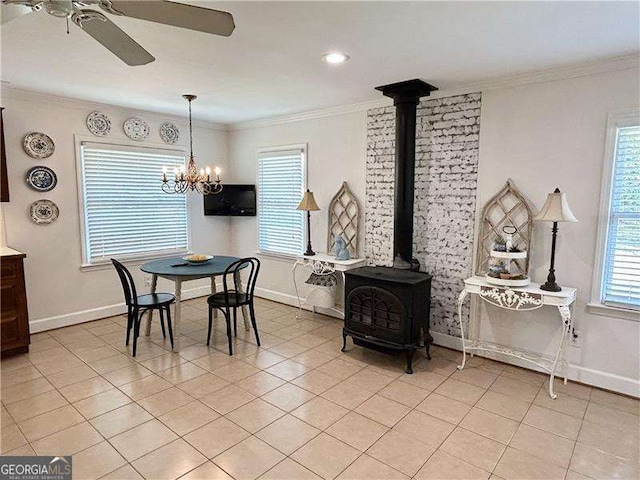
(576, 338)
(147, 280)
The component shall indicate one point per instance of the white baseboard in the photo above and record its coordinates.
(293, 301)
(588, 376)
(277, 296)
(74, 318)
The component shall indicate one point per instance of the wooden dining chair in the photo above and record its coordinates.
(138, 305)
(231, 299)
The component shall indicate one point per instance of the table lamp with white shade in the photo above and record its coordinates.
(555, 209)
(308, 204)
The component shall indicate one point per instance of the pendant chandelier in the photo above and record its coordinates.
(190, 179)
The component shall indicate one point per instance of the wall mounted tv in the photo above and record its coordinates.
(233, 201)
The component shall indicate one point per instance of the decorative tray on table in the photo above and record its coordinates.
(504, 269)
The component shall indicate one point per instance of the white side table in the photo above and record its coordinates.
(322, 262)
(520, 299)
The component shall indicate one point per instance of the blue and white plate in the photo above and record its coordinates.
(42, 178)
(136, 129)
(169, 133)
(38, 145)
(43, 212)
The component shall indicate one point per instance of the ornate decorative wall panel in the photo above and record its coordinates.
(344, 216)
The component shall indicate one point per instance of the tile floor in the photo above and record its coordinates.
(297, 408)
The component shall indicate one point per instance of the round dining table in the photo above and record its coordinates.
(178, 271)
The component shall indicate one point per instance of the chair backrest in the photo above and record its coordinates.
(128, 286)
(250, 266)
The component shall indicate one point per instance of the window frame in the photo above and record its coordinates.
(132, 259)
(280, 148)
(615, 120)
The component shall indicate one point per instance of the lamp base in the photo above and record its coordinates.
(550, 287)
(309, 253)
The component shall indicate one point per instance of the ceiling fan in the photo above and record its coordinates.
(98, 25)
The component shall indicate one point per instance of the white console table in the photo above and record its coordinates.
(322, 262)
(530, 297)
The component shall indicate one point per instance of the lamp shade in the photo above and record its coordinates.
(308, 203)
(556, 209)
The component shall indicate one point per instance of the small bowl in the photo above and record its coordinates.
(189, 258)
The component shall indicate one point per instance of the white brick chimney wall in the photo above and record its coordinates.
(447, 144)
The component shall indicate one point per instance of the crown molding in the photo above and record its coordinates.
(31, 96)
(311, 114)
(529, 78)
(557, 73)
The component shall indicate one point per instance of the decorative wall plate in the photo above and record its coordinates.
(169, 133)
(44, 211)
(42, 178)
(38, 145)
(99, 124)
(136, 129)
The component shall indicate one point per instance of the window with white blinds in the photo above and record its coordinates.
(621, 278)
(125, 212)
(281, 180)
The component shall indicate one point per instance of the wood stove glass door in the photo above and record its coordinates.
(378, 313)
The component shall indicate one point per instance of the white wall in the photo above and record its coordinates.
(552, 135)
(336, 153)
(542, 136)
(58, 292)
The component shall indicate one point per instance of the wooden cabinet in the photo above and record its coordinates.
(14, 327)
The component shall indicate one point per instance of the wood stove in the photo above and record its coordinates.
(389, 307)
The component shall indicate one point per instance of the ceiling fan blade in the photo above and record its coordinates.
(112, 37)
(11, 11)
(177, 14)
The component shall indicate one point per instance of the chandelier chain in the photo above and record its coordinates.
(190, 130)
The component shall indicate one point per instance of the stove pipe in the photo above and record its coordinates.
(406, 96)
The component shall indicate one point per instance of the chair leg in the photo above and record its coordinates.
(129, 325)
(235, 322)
(136, 332)
(210, 325)
(227, 317)
(169, 325)
(164, 335)
(252, 314)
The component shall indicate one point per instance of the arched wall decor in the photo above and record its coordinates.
(344, 217)
(508, 207)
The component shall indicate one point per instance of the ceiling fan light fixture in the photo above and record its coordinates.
(335, 58)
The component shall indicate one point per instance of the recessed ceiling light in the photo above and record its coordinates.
(335, 57)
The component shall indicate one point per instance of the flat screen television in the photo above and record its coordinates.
(233, 201)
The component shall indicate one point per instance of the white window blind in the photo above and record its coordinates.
(281, 179)
(621, 279)
(126, 213)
